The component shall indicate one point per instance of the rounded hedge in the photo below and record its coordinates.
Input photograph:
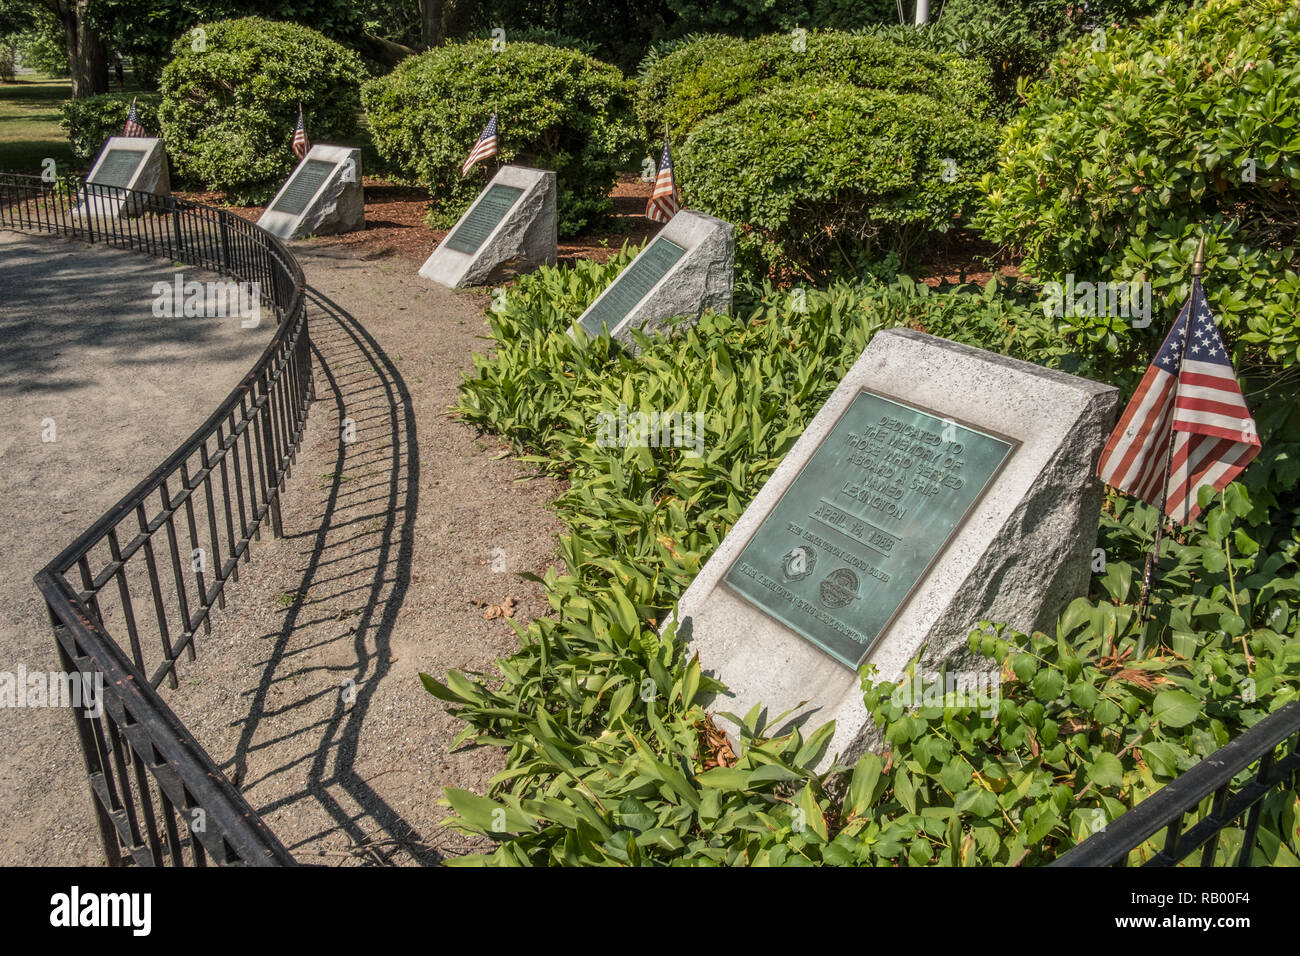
(557, 109)
(824, 180)
(229, 109)
(714, 73)
(1183, 126)
(91, 120)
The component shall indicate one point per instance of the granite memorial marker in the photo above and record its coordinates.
(939, 485)
(321, 197)
(136, 163)
(688, 268)
(508, 230)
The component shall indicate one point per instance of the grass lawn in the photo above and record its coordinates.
(29, 124)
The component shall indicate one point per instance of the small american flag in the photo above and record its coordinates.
(133, 126)
(300, 144)
(485, 146)
(1196, 394)
(665, 200)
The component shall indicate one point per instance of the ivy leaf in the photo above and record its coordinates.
(1106, 771)
(1176, 708)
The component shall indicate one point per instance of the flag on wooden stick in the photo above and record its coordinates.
(133, 126)
(1187, 424)
(484, 146)
(665, 200)
(300, 144)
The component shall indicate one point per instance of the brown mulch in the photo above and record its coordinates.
(395, 227)
(395, 223)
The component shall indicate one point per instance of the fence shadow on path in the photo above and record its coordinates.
(358, 549)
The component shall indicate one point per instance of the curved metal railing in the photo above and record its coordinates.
(156, 563)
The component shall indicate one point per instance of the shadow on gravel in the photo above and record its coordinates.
(361, 547)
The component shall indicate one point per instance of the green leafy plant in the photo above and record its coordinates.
(229, 109)
(558, 109)
(612, 755)
(91, 120)
(697, 80)
(1182, 126)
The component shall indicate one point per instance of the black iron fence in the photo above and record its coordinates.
(153, 567)
(1226, 793)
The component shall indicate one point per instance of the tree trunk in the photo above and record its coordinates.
(87, 57)
(383, 51)
(432, 30)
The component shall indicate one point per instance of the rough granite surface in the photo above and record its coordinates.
(524, 240)
(1022, 554)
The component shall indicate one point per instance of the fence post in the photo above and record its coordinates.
(272, 462)
(89, 753)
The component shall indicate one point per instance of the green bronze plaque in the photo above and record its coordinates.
(863, 522)
(303, 186)
(472, 231)
(632, 284)
(118, 167)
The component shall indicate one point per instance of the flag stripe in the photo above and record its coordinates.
(1191, 400)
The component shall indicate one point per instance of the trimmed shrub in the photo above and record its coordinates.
(1014, 39)
(228, 111)
(820, 180)
(558, 109)
(747, 18)
(1183, 125)
(701, 79)
(90, 121)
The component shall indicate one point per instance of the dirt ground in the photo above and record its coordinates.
(307, 694)
(81, 349)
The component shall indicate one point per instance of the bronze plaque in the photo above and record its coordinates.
(632, 284)
(473, 230)
(302, 187)
(864, 521)
(118, 168)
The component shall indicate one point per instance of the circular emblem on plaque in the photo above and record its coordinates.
(798, 564)
(839, 588)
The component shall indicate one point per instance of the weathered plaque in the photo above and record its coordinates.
(483, 218)
(632, 285)
(118, 167)
(303, 186)
(863, 521)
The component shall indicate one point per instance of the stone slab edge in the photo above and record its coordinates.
(338, 205)
(994, 568)
(524, 239)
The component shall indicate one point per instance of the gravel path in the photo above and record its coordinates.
(306, 692)
(79, 345)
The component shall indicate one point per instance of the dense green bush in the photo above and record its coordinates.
(714, 73)
(820, 180)
(228, 110)
(1123, 157)
(558, 109)
(1015, 39)
(1083, 729)
(748, 18)
(91, 120)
